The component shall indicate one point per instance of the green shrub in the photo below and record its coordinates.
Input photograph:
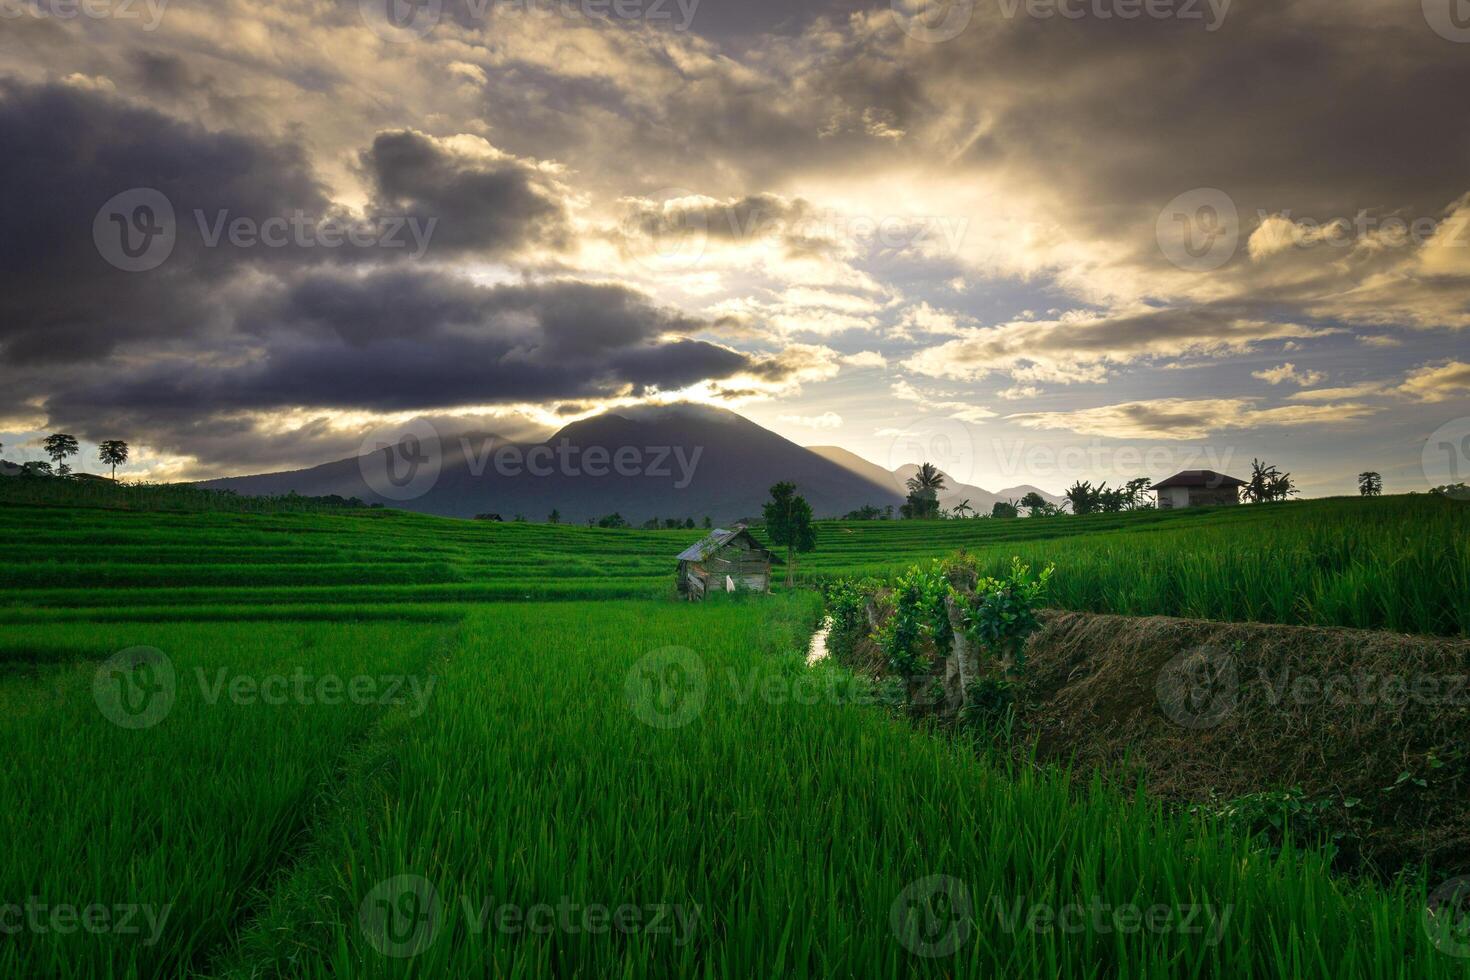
(847, 602)
(919, 614)
(1002, 613)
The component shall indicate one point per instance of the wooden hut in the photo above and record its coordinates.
(1197, 488)
(725, 560)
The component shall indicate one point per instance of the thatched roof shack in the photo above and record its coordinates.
(725, 559)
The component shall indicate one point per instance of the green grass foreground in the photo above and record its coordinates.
(1396, 563)
(612, 789)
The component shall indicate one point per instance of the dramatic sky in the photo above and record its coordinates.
(1035, 240)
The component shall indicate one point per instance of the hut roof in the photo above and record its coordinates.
(1198, 478)
(716, 540)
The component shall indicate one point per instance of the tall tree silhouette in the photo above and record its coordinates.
(112, 452)
(60, 445)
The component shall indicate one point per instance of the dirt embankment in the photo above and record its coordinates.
(1373, 728)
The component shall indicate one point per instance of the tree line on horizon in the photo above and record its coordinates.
(61, 446)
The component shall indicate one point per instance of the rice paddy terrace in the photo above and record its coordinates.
(1398, 563)
(366, 743)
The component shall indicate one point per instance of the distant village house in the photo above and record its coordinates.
(1197, 488)
(725, 560)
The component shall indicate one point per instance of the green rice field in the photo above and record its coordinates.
(373, 744)
(1397, 563)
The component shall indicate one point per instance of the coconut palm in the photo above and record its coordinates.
(926, 477)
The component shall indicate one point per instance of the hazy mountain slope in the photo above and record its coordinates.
(980, 499)
(678, 461)
(855, 464)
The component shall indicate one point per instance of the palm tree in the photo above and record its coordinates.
(963, 508)
(926, 477)
(112, 452)
(923, 498)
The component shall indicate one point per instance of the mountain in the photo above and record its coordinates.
(855, 464)
(653, 461)
(981, 500)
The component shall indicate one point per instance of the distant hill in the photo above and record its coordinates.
(854, 463)
(694, 461)
(981, 500)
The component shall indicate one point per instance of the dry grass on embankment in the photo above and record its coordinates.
(1373, 727)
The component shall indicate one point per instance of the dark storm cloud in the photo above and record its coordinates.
(492, 202)
(1321, 107)
(67, 152)
(433, 342)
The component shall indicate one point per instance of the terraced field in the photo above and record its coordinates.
(1399, 563)
(363, 743)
